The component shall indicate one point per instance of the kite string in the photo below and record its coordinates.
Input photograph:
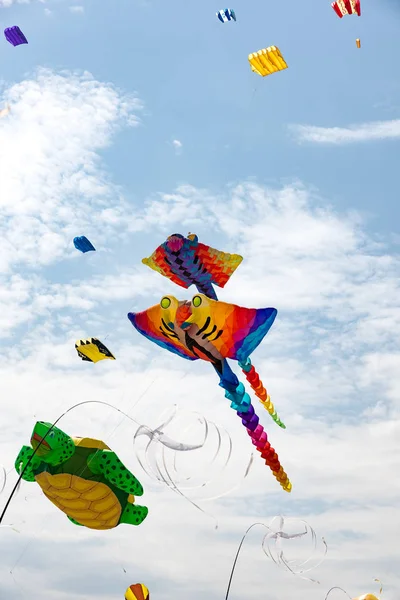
(336, 588)
(237, 556)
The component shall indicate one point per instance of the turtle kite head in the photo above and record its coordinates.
(52, 445)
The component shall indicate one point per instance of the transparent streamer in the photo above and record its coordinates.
(161, 455)
(272, 545)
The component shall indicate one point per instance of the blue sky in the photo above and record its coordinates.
(132, 120)
(193, 76)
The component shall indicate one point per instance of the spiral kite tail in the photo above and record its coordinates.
(260, 440)
(241, 403)
(258, 387)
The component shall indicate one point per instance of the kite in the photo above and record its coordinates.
(92, 350)
(215, 331)
(15, 36)
(358, 43)
(137, 591)
(226, 14)
(83, 477)
(267, 61)
(366, 597)
(186, 262)
(347, 7)
(83, 244)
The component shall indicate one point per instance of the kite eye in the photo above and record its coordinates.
(51, 434)
(165, 302)
(197, 301)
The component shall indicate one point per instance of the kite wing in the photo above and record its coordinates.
(220, 265)
(233, 330)
(92, 350)
(267, 61)
(159, 262)
(137, 591)
(15, 36)
(154, 326)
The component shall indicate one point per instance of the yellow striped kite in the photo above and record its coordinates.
(267, 61)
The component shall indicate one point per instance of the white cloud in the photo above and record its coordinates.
(178, 146)
(7, 3)
(76, 9)
(51, 180)
(330, 362)
(376, 130)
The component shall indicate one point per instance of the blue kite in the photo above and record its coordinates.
(82, 243)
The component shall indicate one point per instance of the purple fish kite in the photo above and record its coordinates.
(15, 36)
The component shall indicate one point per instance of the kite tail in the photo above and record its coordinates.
(257, 385)
(242, 404)
(206, 288)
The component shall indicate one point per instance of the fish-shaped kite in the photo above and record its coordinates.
(186, 262)
(216, 331)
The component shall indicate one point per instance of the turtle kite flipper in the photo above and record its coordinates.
(27, 462)
(107, 463)
(133, 514)
(74, 521)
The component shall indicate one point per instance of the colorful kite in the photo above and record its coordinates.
(137, 591)
(83, 244)
(82, 477)
(267, 61)
(226, 14)
(347, 7)
(186, 262)
(15, 36)
(92, 350)
(215, 331)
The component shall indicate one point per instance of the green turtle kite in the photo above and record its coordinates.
(82, 477)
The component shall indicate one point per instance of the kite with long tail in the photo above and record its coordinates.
(214, 331)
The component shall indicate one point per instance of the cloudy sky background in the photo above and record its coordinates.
(133, 120)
